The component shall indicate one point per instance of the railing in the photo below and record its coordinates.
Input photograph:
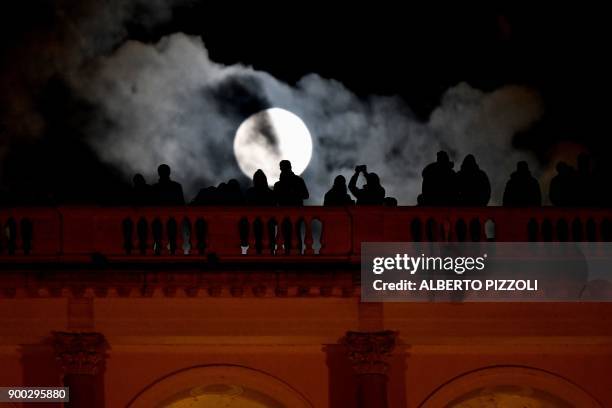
(304, 233)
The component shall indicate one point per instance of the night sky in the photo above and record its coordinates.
(371, 49)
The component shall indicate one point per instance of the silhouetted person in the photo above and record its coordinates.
(420, 200)
(290, 189)
(601, 183)
(220, 193)
(439, 182)
(522, 190)
(338, 194)
(229, 193)
(206, 196)
(585, 182)
(372, 193)
(166, 191)
(260, 194)
(390, 202)
(562, 192)
(141, 191)
(473, 184)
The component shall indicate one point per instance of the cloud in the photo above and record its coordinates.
(64, 36)
(168, 102)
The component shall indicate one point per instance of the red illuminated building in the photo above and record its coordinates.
(190, 307)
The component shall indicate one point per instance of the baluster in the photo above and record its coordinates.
(186, 236)
(26, 235)
(577, 233)
(317, 235)
(272, 235)
(142, 229)
(201, 230)
(10, 230)
(606, 230)
(308, 238)
(547, 230)
(172, 228)
(591, 230)
(157, 228)
(287, 230)
(532, 230)
(243, 232)
(475, 230)
(446, 229)
(258, 235)
(562, 230)
(489, 228)
(128, 228)
(431, 230)
(416, 230)
(460, 230)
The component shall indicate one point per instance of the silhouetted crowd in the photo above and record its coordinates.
(584, 186)
(442, 186)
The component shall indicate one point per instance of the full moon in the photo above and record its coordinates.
(269, 136)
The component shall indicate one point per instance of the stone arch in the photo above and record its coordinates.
(496, 377)
(234, 378)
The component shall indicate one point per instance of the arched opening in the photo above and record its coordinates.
(508, 396)
(509, 386)
(227, 386)
(221, 395)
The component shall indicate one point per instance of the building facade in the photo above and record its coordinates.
(211, 307)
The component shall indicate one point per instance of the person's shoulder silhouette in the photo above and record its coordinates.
(206, 196)
(586, 190)
(260, 193)
(372, 193)
(390, 202)
(563, 189)
(473, 186)
(233, 193)
(141, 193)
(439, 184)
(602, 193)
(167, 191)
(290, 189)
(338, 195)
(522, 190)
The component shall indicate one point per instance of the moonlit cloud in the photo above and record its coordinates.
(168, 102)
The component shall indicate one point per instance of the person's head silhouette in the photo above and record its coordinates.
(233, 185)
(563, 168)
(260, 181)
(164, 172)
(443, 160)
(390, 202)
(372, 180)
(469, 163)
(340, 182)
(139, 180)
(285, 166)
(442, 157)
(522, 167)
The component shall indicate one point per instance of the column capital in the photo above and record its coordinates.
(80, 353)
(368, 351)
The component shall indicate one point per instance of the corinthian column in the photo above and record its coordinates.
(369, 352)
(81, 357)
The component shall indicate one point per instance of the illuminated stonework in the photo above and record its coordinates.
(222, 396)
(509, 397)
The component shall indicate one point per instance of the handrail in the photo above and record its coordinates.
(267, 233)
